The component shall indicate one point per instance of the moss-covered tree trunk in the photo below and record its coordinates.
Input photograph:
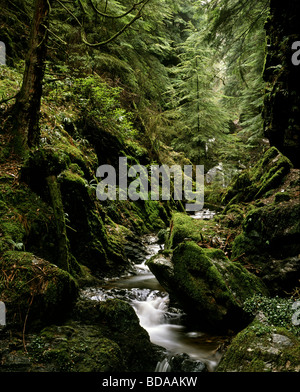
(26, 112)
(282, 99)
(62, 239)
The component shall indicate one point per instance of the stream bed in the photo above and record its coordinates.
(164, 324)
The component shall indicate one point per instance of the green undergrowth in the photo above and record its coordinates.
(279, 312)
(262, 347)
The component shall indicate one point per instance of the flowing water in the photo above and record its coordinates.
(164, 324)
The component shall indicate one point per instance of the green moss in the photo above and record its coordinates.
(76, 169)
(155, 211)
(34, 285)
(255, 349)
(240, 185)
(206, 281)
(184, 227)
(273, 180)
(243, 246)
(70, 175)
(26, 220)
(265, 176)
(75, 347)
(271, 229)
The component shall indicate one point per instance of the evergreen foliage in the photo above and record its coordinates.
(197, 99)
(238, 36)
(187, 69)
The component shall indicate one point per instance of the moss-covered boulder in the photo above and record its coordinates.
(252, 184)
(35, 291)
(75, 347)
(269, 242)
(262, 348)
(183, 227)
(99, 337)
(207, 284)
(272, 229)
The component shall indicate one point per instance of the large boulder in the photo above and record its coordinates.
(262, 347)
(98, 337)
(34, 291)
(209, 287)
(269, 242)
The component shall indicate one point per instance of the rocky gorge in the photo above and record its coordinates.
(228, 274)
(95, 285)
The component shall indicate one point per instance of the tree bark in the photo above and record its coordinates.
(63, 260)
(26, 112)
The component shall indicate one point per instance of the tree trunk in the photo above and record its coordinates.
(63, 260)
(26, 112)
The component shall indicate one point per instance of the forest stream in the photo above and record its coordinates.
(165, 324)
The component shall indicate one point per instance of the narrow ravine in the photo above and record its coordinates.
(165, 324)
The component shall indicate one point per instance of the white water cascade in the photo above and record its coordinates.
(164, 324)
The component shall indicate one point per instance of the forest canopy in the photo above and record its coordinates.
(192, 69)
(95, 274)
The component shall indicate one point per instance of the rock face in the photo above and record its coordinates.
(282, 103)
(252, 184)
(262, 348)
(269, 239)
(208, 286)
(98, 337)
(270, 242)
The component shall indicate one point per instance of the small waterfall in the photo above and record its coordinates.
(161, 324)
(186, 350)
(152, 311)
(163, 366)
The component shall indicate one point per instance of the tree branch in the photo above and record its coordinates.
(124, 28)
(112, 16)
(70, 12)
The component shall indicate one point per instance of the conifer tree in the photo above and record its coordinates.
(27, 107)
(197, 97)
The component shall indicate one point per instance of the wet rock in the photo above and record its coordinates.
(184, 363)
(270, 243)
(207, 285)
(262, 348)
(161, 266)
(38, 291)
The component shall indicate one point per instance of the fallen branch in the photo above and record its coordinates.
(237, 258)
